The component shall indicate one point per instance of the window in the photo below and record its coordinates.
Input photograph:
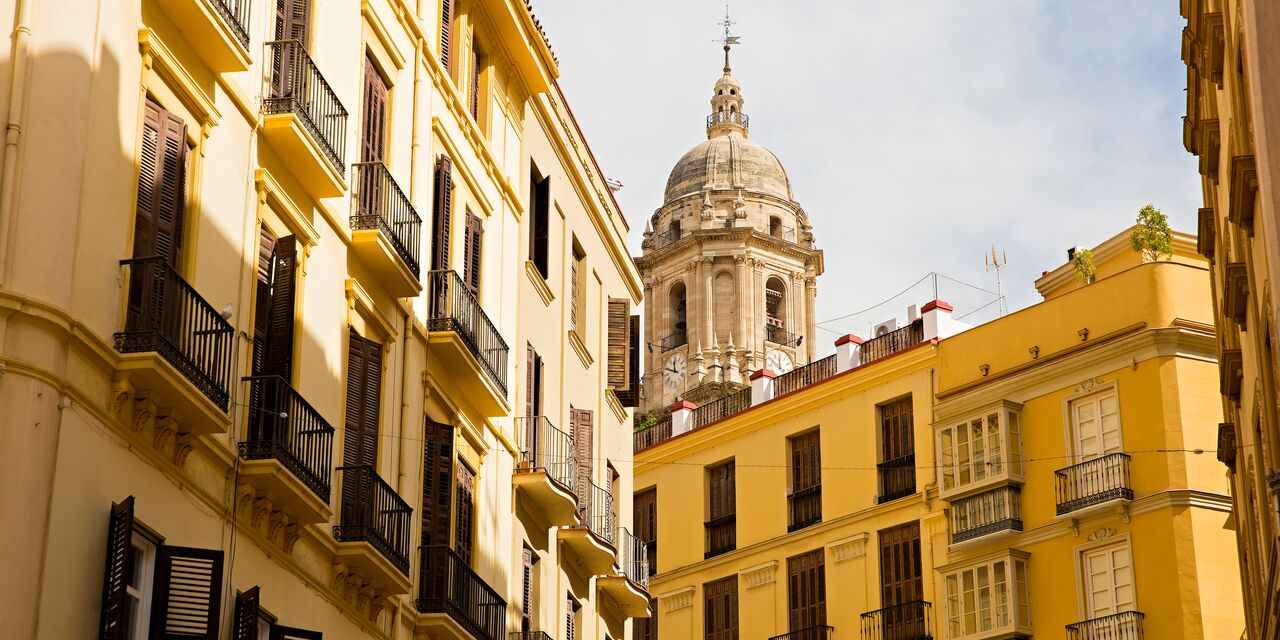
(139, 588)
(981, 450)
(805, 500)
(471, 253)
(897, 466)
(293, 22)
(644, 518)
(985, 513)
(364, 391)
(474, 92)
(722, 525)
(274, 306)
(1095, 425)
(571, 625)
(720, 615)
(624, 349)
(463, 540)
(775, 226)
(252, 622)
(807, 591)
(677, 309)
(577, 289)
(673, 231)
(446, 34)
(901, 580)
(162, 186)
(775, 310)
(440, 216)
(990, 599)
(533, 382)
(1107, 580)
(647, 628)
(437, 483)
(527, 602)
(581, 423)
(373, 129)
(540, 231)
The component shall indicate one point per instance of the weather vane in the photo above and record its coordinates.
(999, 262)
(728, 39)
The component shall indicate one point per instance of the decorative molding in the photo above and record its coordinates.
(1099, 534)
(1088, 385)
(849, 548)
(677, 600)
(760, 574)
(539, 283)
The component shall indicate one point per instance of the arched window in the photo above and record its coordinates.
(673, 232)
(775, 226)
(679, 333)
(775, 310)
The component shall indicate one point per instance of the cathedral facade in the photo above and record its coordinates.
(729, 265)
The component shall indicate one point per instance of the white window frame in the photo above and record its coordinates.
(1017, 597)
(140, 596)
(1096, 389)
(1082, 579)
(1006, 466)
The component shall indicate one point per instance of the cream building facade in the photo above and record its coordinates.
(316, 321)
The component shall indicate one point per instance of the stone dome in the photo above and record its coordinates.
(728, 161)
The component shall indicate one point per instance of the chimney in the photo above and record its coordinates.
(848, 352)
(762, 386)
(682, 417)
(937, 320)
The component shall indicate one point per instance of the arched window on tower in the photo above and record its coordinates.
(775, 310)
(679, 334)
(775, 226)
(673, 231)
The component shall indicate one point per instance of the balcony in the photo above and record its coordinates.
(728, 118)
(805, 506)
(218, 30)
(1121, 626)
(897, 478)
(455, 602)
(722, 535)
(385, 229)
(629, 588)
(721, 408)
(304, 121)
(373, 529)
(652, 435)
(986, 514)
(592, 540)
(890, 343)
(822, 632)
(287, 450)
(546, 471)
(773, 332)
(908, 621)
(175, 347)
(673, 340)
(811, 373)
(529, 635)
(1093, 483)
(467, 344)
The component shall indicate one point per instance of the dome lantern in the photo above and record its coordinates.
(726, 105)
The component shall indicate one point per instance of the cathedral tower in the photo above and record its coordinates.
(729, 265)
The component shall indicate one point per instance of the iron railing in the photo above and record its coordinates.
(297, 87)
(897, 478)
(907, 621)
(1126, 625)
(673, 340)
(669, 236)
(529, 635)
(447, 585)
(452, 307)
(722, 407)
(776, 334)
(822, 632)
(166, 315)
(811, 373)
(633, 558)
(649, 436)
(805, 506)
(728, 117)
(890, 343)
(595, 508)
(380, 204)
(782, 233)
(1093, 482)
(985, 513)
(722, 535)
(373, 512)
(546, 449)
(236, 14)
(283, 426)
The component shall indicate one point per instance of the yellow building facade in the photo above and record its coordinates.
(316, 322)
(1046, 474)
(1233, 90)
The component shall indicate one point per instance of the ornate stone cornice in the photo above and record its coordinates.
(760, 574)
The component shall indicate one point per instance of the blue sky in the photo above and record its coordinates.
(916, 133)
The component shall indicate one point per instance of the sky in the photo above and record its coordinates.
(917, 133)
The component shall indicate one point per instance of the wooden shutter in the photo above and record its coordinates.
(471, 252)
(722, 490)
(644, 517)
(188, 593)
(569, 627)
(526, 599)
(364, 389)
(901, 578)
(440, 218)
(540, 249)
(289, 633)
(466, 499)
(584, 452)
(278, 359)
(896, 430)
(446, 33)
(373, 133)
(262, 301)
(807, 590)
(721, 611)
(293, 22)
(631, 396)
(619, 344)
(475, 82)
(574, 291)
(118, 572)
(246, 622)
(437, 483)
(806, 461)
(531, 380)
(162, 182)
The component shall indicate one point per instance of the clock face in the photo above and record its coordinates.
(778, 361)
(673, 373)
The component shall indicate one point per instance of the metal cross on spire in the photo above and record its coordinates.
(728, 39)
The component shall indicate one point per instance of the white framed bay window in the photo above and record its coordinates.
(989, 598)
(980, 450)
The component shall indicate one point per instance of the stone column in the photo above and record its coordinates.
(811, 336)
(651, 313)
(798, 318)
(708, 301)
(757, 309)
(743, 306)
(693, 304)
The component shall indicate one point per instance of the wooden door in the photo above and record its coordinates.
(1096, 426)
(644, 517)
(807, 590)
(464, 532)
(437, 483)
(293, 23)
(720, 613)
(584, 452)
(901, 581)
(360, 436)
(1108, 578)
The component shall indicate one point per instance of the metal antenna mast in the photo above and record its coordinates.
(999, 262)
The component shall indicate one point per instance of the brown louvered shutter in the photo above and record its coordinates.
(897, 437)
(188, 593)
(631, 396)
(364, 387)
(246, 621)
(373, 135)
(471, 253)
(372, 400)
(289, 633)
(619, 344)
(807, 590)
(437, 482)
(722, 490)
(539, 250)
(721, 612)
(118, 572)
(526, 594)
(279, 344)
(901, 571)
(806, 461)
(446, 33)
(584, 453)
(570, 632)
(293, 22)
(162, 185)
(475, 82)
(440, 217)
(531, 381)
(262, 300)
(466, 499)
(644, 517)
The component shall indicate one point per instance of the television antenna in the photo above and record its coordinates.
(998, 261)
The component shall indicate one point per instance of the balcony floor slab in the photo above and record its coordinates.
(630, 599)
(453, 364)
(153, 376)
(367, 561)
(595, 555)
(557, 503)
(286, 133)
(285, 490)
(376, 251)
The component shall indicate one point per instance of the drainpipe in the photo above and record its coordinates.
(14, 122)
(404, 400)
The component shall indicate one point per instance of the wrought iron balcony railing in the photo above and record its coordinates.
(649, 436)
(373, 512)
(545, 448)
(236, 14)
(808, 633)
(985, 513)
(811, 373)
(890, 343)
(167, 316)
(908, 621)
(283, 426)
(596, 510)
(297, 87)
(722, 535)
(723, 407)
(380, 204)
(897, 478)
(447, 585)
(1126, 625)
(673, 340)
(529, 635)
(728, 117)
(633, 558)
(1093, 482)
(806, 508)
(777, 335)
(452, 307)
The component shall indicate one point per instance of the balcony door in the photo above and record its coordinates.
(901, 580)
(807, 591)
(158, 216)
(372, 182)
(360, 436)
(1095, 426)
(581, 422)
(1108, 580)
(293, 22)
